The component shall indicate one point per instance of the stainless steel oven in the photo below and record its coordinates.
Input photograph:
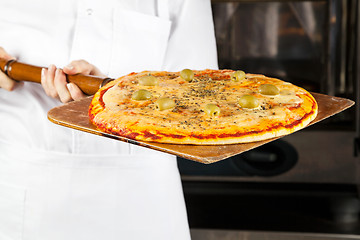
(313, 44)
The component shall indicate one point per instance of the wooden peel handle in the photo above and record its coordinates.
(25, 72)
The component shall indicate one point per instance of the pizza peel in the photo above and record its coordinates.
(75, 115)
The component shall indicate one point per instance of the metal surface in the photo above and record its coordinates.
(202, 234)
(75, 115)
(316, 163)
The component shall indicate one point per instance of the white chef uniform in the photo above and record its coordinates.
(57, 183)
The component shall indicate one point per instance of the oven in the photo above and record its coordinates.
(306, 181)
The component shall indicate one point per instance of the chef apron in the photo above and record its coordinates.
(57, 183)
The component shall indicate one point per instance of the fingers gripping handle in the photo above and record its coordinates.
(88, 84)
(25, 72)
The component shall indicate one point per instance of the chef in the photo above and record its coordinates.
(57, 183)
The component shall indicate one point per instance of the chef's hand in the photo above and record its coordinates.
(54, 82)
(6, 82)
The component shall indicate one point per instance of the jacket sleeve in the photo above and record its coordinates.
(192, 39)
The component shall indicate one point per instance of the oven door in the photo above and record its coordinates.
(307, 181)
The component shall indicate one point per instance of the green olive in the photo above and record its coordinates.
(212, 110)
(238, 76)
(248, 101)
(141, 95)
(164, 103)
(148, 80)
(268, 89)
(187, 75)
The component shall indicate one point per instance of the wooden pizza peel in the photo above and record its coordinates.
(75, 115)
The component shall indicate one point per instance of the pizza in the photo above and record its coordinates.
(201, 107)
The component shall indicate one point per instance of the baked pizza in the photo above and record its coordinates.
(204, 107)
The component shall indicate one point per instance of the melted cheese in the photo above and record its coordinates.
(192, 97)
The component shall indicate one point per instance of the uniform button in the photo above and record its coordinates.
(89, 11)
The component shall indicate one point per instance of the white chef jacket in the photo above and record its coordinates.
(57, 183)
